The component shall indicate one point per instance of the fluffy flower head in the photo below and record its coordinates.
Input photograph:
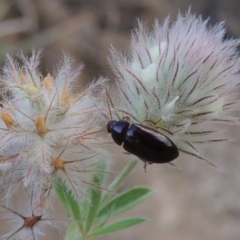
(47, 131)
(180, 79)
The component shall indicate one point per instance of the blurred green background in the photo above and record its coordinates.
(194, 203)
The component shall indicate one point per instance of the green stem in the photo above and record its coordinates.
(119, 179)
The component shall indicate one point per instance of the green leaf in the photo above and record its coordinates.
(68, 200)
(93, 205)
(117, 182)
(124, 201)
(99, 180)
(73, 232)
(116, 226)
(101, 175)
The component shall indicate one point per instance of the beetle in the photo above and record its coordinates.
(147, 144)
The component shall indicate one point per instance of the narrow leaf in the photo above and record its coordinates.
(101, 175)
(73, 232)
(116, 226)
(68, 200)
(93, 205)
(124, 201)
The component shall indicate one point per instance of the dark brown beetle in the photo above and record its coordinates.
(146, 143)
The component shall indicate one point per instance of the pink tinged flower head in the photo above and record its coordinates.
(180, 79)
(47, 131)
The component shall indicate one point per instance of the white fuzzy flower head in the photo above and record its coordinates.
(47, 131)
(181, 80)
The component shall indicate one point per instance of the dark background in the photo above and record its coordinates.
(195, 203)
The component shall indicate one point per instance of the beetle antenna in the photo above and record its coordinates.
(111, 105)
(108, 98)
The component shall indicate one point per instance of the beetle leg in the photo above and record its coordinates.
(145, 165)
(148, 120)
(157, 127)
(126, 118)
